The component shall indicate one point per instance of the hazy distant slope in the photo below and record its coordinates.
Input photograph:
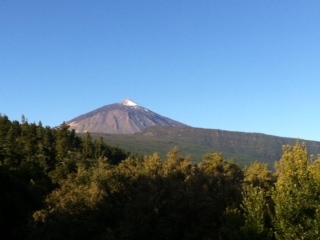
(242, 147)
(120, 118)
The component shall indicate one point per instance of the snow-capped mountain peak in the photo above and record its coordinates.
(119, 118)
(129, 102)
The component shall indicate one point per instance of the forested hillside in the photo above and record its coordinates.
(34, 160)
(244, 148)
(55, 185)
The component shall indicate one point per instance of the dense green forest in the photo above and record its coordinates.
(56, 185)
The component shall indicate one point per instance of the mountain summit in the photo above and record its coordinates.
(129, 102)
(120, 118)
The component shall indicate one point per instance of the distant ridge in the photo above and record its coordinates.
(243, 147)
(126, 117)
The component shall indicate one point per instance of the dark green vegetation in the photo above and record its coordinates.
(245, 148)
(55, 185)
(34, 160)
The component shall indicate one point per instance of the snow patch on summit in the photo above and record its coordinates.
(129, 102)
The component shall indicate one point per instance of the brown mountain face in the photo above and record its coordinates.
(120, 118)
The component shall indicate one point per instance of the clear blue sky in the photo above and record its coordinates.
(249, 66)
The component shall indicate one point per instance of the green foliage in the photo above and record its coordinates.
(256, 213)
(256, 203)
(72, 210)
(233, 222)
(34, 160)
(142, 198)
(284, 205)
(296, 195)
(56, 185)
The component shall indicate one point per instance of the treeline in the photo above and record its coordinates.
(55, 185)
(34, 160)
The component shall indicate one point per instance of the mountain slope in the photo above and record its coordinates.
(120, 118)
(139, 130)
(244, 148)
